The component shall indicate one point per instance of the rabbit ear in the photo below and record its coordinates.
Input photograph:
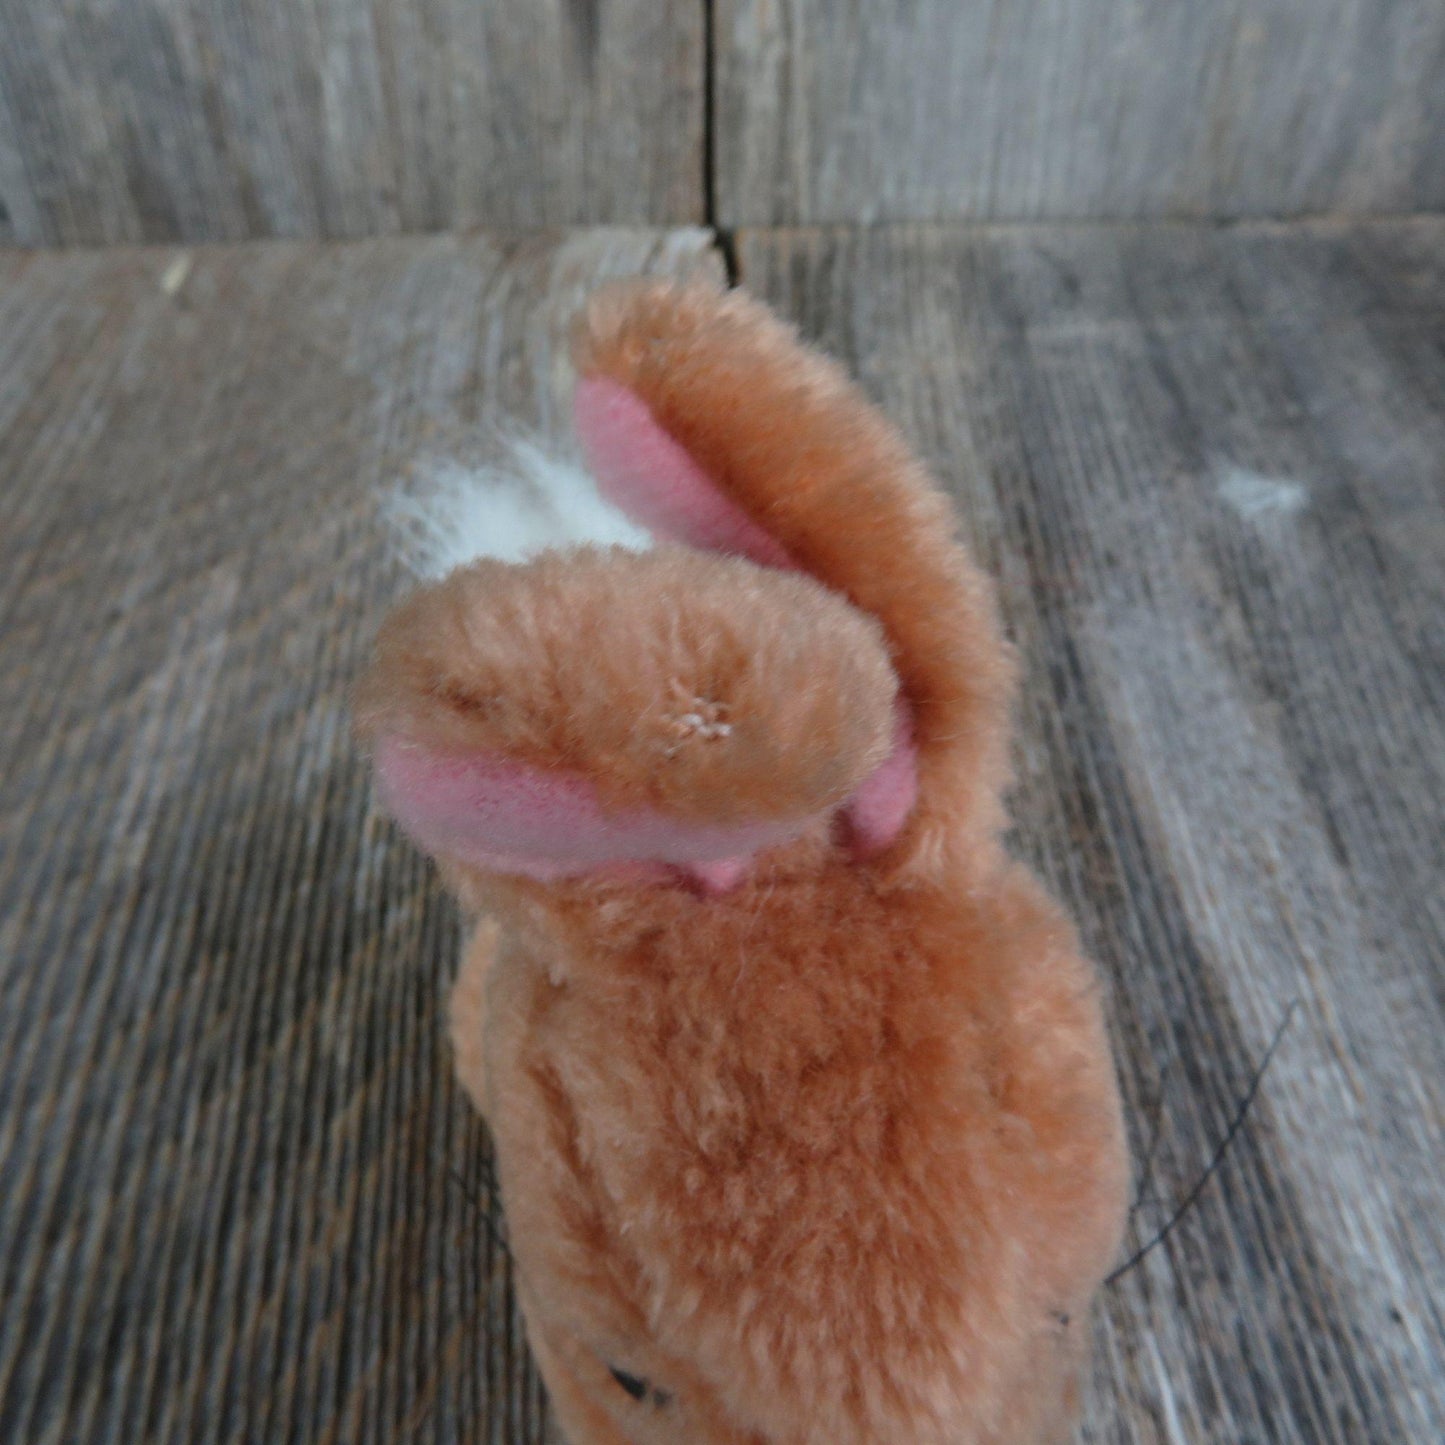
(883, 801)
(648, 475)
(645, 473)
(503, 816)
(709, 419)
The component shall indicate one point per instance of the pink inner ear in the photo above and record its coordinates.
(642, 470)
(651, 477)
(509, 818)
(881, 803)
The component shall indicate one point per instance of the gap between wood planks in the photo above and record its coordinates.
(723, 238)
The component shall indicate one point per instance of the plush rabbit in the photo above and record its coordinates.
(805, 1119)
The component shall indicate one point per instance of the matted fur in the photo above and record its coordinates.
(834, 1158)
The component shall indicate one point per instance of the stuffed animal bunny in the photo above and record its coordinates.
(805, 1119)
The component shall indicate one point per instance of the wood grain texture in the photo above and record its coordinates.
(1208, 467)
(194, 120)
(1065, 109)
(243, 1200)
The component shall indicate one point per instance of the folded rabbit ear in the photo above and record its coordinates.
(503, 816)
(656, 712)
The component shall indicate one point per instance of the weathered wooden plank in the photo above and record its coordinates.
(1049, 109)
(242, 1198)
(227, 119)
(1207, 466)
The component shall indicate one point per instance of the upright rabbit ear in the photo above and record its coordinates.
(642, 471)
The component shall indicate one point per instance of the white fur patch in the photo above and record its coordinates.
(451, 514)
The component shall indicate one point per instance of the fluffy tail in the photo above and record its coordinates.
(708, 420)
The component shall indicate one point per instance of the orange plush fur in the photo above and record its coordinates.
(833, 1156)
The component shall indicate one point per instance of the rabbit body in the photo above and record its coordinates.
(805, 1118)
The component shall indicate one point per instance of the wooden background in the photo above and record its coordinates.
(155, 120)
(850, 110)
(163, 120)
(241, 1199)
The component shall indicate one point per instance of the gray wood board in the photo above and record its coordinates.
(1063, 109)
(243, 1199)
(1208, 467)
(230, 119)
